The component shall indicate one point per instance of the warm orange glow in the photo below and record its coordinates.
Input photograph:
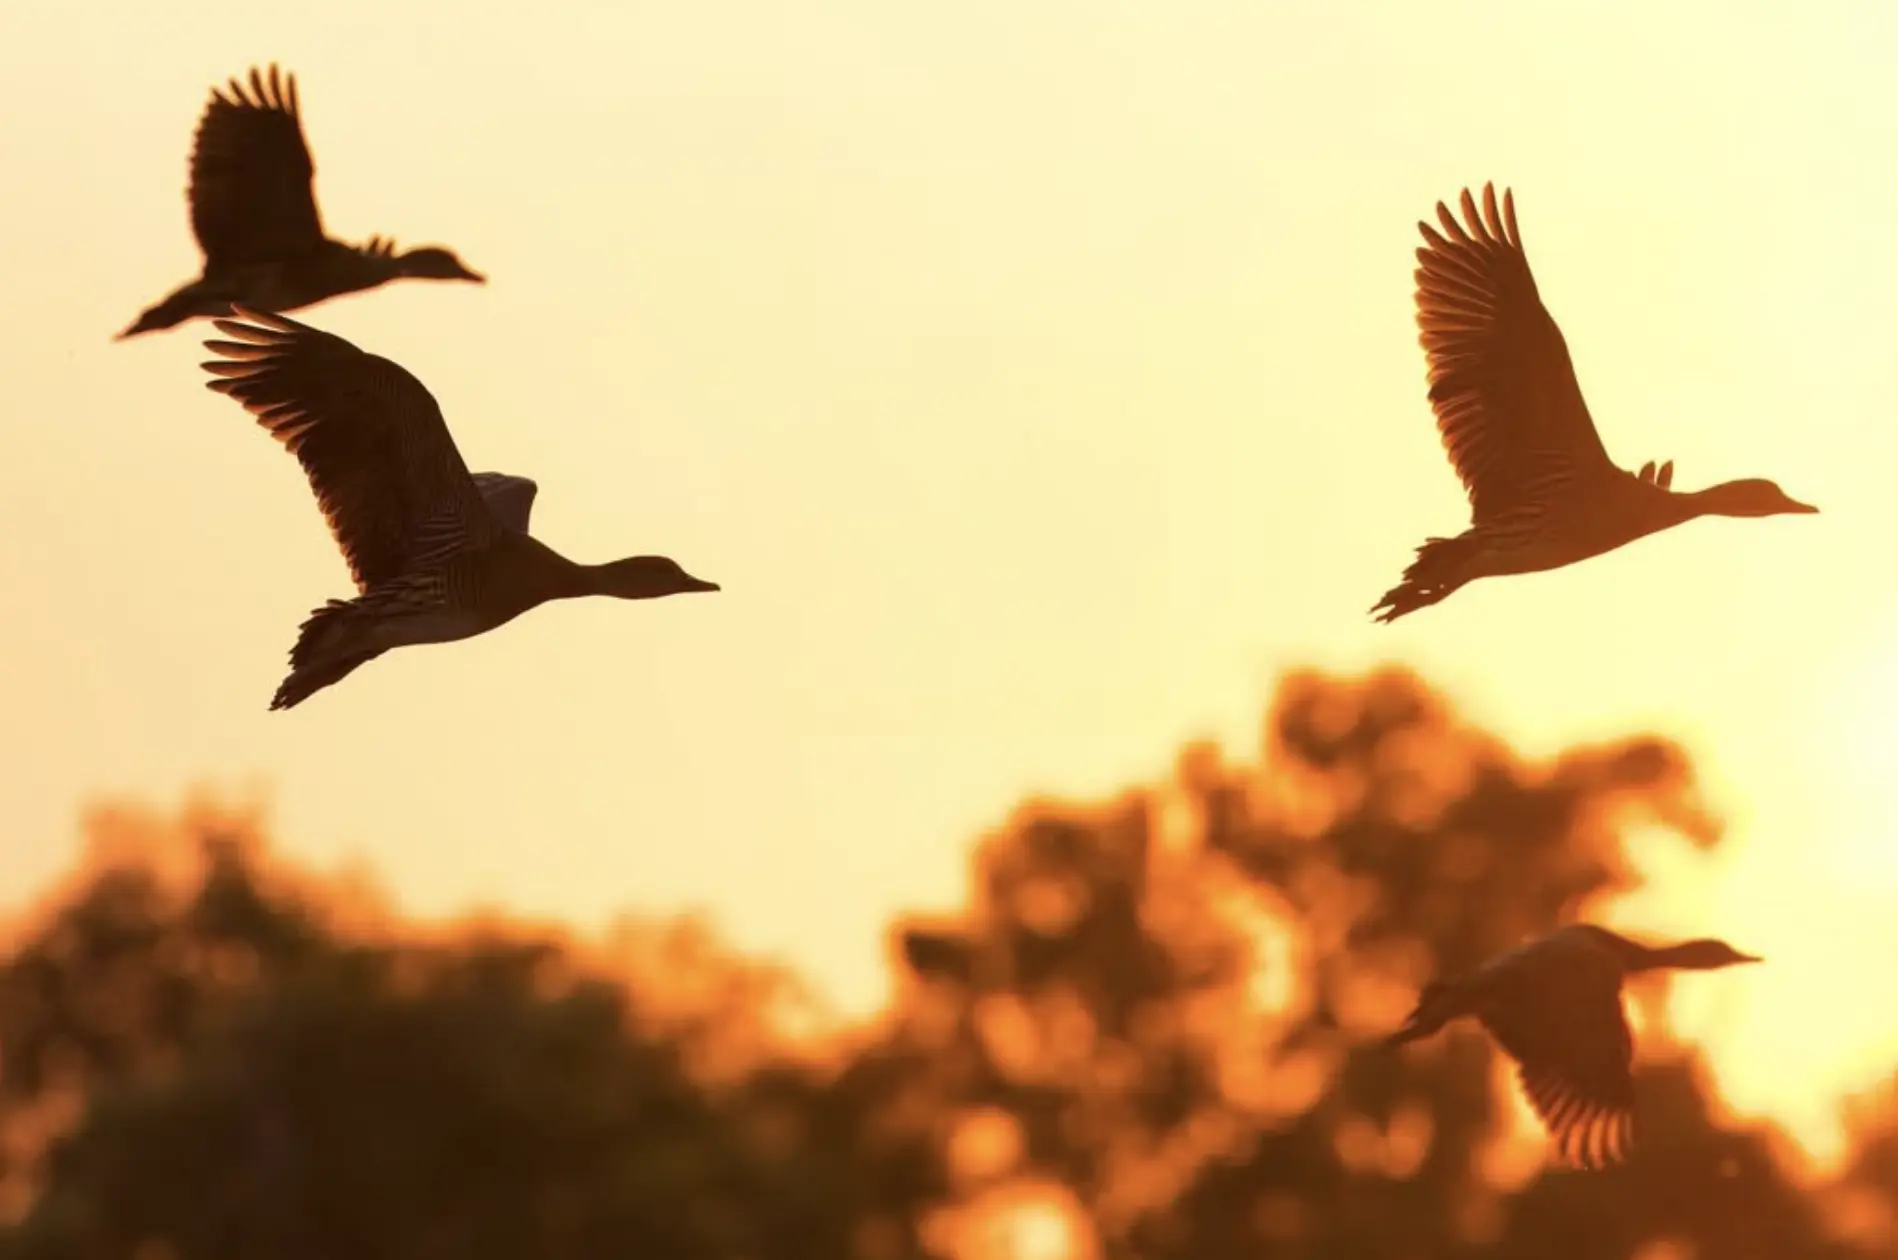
(1858, 730)
(1807, 883)
(1037, 390)
(1025, 1221)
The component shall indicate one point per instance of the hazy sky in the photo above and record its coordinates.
(1037, 379)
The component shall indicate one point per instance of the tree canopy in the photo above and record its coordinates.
(1152, 1031)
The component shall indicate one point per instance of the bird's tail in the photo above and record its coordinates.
(1442, 565)
(331, 643)
(176, 309)
(1437, 1005)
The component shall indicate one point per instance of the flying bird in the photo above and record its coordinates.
(437, 554)
(1554, 1005)
(1543, 492)
(253, 210)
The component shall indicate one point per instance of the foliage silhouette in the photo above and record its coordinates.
(1152, 1031)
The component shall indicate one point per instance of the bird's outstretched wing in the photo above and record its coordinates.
(251, 196)
(370, 437)
(1563, 1024)
(1508, 407)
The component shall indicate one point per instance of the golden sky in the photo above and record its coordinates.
(1038, 380)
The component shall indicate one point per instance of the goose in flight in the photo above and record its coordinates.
(1543, 492)
(1554, 1005)
(437, 554)
(253, 210)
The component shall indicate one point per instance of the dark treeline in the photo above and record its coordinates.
(1154, 1025)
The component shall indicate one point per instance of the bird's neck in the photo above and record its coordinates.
(550, 574)
(1639, 958)
(1633, 956)
(1713, 501)
(621, 579)
(1663, 509)
(362, 265)
(1686, 956)
(577, 579)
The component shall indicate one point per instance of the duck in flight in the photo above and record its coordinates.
(437, 554)
(1554, 1005)
(1543, 492)
(253, 210)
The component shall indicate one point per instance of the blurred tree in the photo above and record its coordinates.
(1151, 1033)
(1178, 999)
(257, 1082)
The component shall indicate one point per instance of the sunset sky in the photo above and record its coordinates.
(1037, 380)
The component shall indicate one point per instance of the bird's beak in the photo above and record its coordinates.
(1804, 509)
(469, 273)
(699, 584)
(1751, 958)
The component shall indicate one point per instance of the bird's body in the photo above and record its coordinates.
(437, 553)
(1543, 492)
(1554, 1005)
(253, 211)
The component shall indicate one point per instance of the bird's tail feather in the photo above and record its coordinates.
(1436, 1006)
(330, 646)
(1442, 565)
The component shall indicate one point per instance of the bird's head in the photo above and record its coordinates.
(1706, 955)
(645, 577)
(1755, 496)
(432, 262)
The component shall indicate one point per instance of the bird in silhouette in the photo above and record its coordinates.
(1543, 492)
(1554, 1005)
(437, 554)
(253, 210)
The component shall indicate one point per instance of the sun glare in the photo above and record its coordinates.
(1027, 1221)
(1853, 754)
(1809, 883)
